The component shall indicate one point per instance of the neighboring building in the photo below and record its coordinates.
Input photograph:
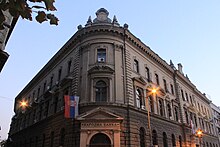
(216, 119)
(112, 72)
(4, 36)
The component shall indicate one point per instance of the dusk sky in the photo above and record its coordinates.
(185, 31)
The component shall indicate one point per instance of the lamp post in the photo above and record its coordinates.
(23, 105)
(151, 91)
(199, 134)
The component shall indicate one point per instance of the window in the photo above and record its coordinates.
(55, 103)
(154, 137)
(38, 92)
(44, 88)
(51, 139)
(101, 55)
(101, 91)
(169, 110)
(136, 66)
(151, 103)
(36, 141)
(69, 66)
(172, 89)
(62, 137)
(51, 81)
(173, 140)
(165, 143)
(46, 109)
(59, 74)
(147, 72)
(182, 95)
(176, 113)
(187, 99)
(161, 107)
(165, 85)
(142, 137)
(186, 115)
(157, 79)
(180, 141)
(139, 98)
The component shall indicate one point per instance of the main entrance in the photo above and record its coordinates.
(100, 140)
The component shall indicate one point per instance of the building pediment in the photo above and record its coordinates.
(99, 114)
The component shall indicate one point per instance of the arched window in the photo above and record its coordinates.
(207, 144)
(100, 140)
(142, 137)
(139, 98)
(161, 107)
(169, 110)
(210, 144)
(62, 137)
(154, 137)
(165, 143)
(101, 91)
(173, 140)
(51, 139)
(180, 141)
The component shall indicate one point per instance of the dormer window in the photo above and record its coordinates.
(101, 55)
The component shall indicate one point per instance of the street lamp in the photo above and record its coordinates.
(23, 104)
(151, 91)
(199, 134)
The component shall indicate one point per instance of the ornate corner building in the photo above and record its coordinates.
(111, 71)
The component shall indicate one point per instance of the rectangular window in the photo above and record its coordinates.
(59, 74)
(147, 73)
(157, 79)
(69, 67)
(136, 66)
(172, 90)
(101, 55)
(182, 95)
(165, 85)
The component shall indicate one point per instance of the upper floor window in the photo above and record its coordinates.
(176, 113)
(182, 95)
(169, 110)
(151, 103)
(101, 91)
(136, 66)
(157, 79)
(101, 55)
(59, 74)
(139, 98)
(172, 89)
(69, 66)
(161, 107)
(165, 85)
(173, 140)
(187, 97)
(147, 73)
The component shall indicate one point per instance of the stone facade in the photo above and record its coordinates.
(113, 73)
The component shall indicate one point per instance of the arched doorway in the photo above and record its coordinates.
(100, 140)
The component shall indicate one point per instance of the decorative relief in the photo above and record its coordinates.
(100, 124)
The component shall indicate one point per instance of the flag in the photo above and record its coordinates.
(71, 106)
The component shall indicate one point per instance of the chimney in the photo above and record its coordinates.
(180, 68)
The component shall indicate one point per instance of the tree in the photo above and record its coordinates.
(3, 143)
(26, 8)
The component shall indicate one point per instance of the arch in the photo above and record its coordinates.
(142, 137)
(101, 91)
(165, 143)
(154, 137)
(173, 140)
(100, 140)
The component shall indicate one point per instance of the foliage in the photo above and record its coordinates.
(3, 143)
(25, 9)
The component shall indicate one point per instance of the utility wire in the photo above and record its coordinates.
(6, 98)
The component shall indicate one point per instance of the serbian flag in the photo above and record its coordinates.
(71, 106)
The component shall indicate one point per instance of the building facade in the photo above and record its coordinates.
(216, 119)
(113, 74)
(4, 36)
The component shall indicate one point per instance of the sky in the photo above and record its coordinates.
(185, 31)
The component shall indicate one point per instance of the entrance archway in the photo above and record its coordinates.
(100, 140)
